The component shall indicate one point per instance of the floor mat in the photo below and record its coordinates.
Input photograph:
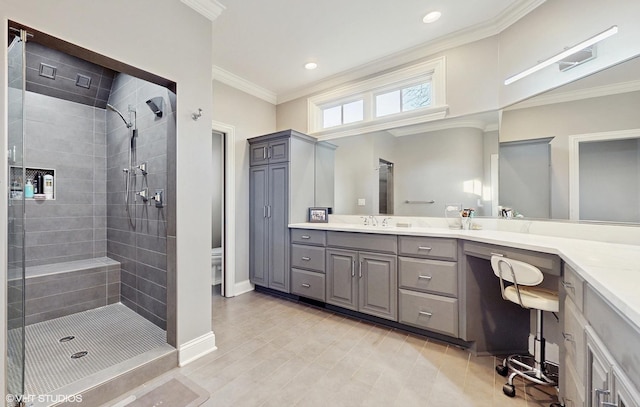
(175, 392)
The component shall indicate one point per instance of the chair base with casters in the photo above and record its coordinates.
(523, 292)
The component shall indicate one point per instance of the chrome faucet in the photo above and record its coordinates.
(366, 220)
(374, 222)
(385, 222)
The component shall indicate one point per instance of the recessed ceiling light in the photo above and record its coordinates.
(431, 17)
(310, 65)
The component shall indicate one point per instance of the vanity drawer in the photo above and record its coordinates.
(547, 263)
(430, 312)
(310, 237)
(573, 286)
(308, 284)
(436, 276)
(429, 247)
(307, 257)
(574, 338)
(363, 241)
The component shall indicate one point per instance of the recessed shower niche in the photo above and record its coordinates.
(92, 250)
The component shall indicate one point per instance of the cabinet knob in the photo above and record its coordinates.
(568, 286)
(568, 337)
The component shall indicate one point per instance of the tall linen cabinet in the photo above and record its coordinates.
(282, 189)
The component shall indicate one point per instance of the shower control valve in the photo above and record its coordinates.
(158, 197)
(144, 194)
(142, 167)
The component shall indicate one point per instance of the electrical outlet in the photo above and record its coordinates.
(361, 202)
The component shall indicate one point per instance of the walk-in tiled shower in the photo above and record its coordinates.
(94, 246)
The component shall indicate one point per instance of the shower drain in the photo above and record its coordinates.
(67, 338)
(78, 355)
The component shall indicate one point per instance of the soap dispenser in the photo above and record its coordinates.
(28, 189)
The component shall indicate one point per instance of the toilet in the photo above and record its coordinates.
(216, 265)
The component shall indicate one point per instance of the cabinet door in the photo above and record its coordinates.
(278, 151)
(258, 154)
(625, 394)
(278, 230)
(258, 244)
(341, 278)
(598, 372)
(378, 285)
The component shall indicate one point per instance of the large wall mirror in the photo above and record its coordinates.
(572, 153)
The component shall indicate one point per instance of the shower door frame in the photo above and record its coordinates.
(14, 257)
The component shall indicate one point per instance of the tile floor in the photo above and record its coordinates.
(274, 352)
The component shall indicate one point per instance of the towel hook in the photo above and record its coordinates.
(196, 116)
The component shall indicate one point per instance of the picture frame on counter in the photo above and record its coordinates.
(318, 215)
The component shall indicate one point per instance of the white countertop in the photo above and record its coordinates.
(611, 269)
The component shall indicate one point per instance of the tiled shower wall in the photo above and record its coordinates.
(70, 138)
(138, 238)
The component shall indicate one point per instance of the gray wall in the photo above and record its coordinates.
(70, 138)
(140, 248)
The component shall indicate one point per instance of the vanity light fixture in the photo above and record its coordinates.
(583, 46)
(310, 66)
(431, 17)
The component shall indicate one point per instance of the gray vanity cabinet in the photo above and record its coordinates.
(598, 358)
(269, 152)
(281, 185)
(363, 282)
(269, 237)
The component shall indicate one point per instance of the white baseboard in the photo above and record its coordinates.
(243, 287)
(196, 348)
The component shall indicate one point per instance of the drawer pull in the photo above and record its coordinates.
(305, 285)
(424, 248)
(305, 237)
(568, 337)
(497, 254)
(425, 313)
(568, 285)
(424, 277)
(305, 258)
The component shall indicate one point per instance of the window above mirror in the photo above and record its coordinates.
(411, 95)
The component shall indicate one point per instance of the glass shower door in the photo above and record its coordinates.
(16, 216)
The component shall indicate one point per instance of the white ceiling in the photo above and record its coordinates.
(267, 43)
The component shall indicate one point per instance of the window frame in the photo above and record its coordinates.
(432, 71)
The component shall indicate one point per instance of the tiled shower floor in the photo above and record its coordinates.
(111, 335)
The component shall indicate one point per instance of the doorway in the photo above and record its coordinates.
(217, 212)
(385, 187)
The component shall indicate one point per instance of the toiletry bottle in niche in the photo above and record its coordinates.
(38, 186)
(48, 186)
(28, 189)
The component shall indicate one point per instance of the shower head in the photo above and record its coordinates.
(156, 105)
(112, 108)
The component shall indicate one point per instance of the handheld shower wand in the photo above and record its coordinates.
(129, 124)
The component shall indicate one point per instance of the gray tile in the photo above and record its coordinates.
(154, 259)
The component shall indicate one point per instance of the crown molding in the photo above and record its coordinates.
(458, 38)
(235, 81)
(211, 9)
(580, 94)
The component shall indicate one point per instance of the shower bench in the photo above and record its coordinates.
(59, 289)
